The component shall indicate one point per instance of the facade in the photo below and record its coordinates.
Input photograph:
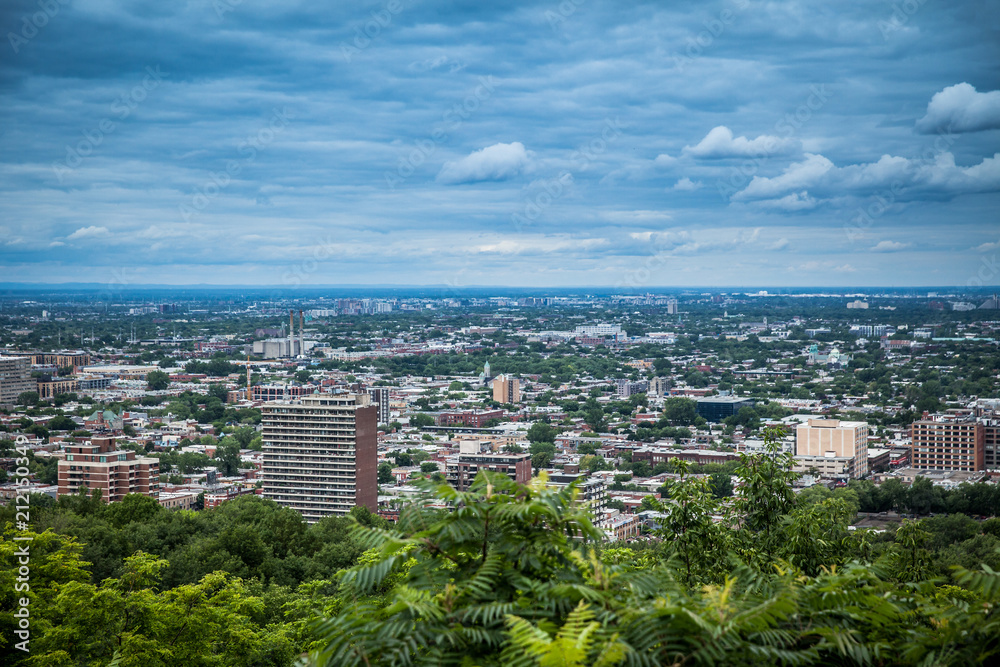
(92, 382)
(98, 465)
(15, 379)
(461, 470)
(835, 448)
(654, 454)
(991, 443)
(949, 442)
(506, 389)
(279, 392)
(178, 500)
(49, 388)
(625, 388)
(593, 491)
(380, 399)
(280, 348)
(659, 387)
(601, 330)
(320, 454)
(717, 408)
(105, 420)
(473, 418)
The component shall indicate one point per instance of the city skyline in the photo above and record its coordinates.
(572, 144)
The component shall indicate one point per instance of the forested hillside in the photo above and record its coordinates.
(507, 575)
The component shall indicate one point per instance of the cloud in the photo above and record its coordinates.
(796, 176)
(890, 246)
(498, 162)
(780, 244)
(719, 143)
(960, 108)
(686, 185)
(904, 178)
(637, 216)
(986, 247)
(664, 160)
(88, 232)
(797, 201)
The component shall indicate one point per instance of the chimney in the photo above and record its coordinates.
(291, 331)
(302, 340)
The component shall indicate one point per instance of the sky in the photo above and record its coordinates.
(572, 143)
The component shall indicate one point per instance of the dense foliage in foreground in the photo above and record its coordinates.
(506, 575)
(514, 577)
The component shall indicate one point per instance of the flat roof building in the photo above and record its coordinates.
(15, 379)
(717, 408)
(96, 464)
(835, 448)
(320, 454)
(949, 442)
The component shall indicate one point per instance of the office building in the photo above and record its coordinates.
(671, 306)
(96, 464)
(15, 379)
(320, 454)
(832, 447)
(717, 408)
(949, 442)
(506, 389)
(380, 399)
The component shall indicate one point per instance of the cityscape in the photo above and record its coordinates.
(525, 334)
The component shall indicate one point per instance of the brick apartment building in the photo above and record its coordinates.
(97, 464)
(472, 418)
(461, 470)
(949, 442)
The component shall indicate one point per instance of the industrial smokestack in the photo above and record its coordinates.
(302, 340)
(291, 332)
